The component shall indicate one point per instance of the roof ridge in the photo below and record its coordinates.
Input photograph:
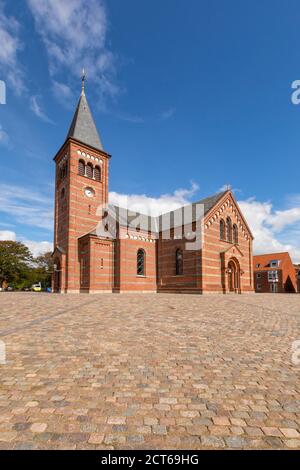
(274, 253)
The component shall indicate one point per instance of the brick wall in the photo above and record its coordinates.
(127, 246)
(76, 214)
(287, 282)
(261, 279)
(95, 265)
(191, 278)
(215, 278)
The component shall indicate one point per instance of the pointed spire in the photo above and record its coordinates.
(83, 126)
(83, 82)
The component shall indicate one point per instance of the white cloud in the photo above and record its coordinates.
(282, 219)
(10, 46)
(7, 235)
(36, 248)
(74, 33)
(151, 205)
(36, 108)
(270, 227)
(25, 206)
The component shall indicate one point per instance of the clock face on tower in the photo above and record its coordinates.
(89, 192)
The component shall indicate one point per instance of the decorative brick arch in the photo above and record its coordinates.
(232, 259)
(233, 272)
(59, 270)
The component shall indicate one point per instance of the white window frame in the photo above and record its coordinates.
(273, 276)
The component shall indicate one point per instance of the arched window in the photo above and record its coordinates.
(222, 229)
(141, 262)
(235, 234)
(97, 173)
(81, 168)
(229, 229)
(179, 262)
(89, 170)
(63, 193)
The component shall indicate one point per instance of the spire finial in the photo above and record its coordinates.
(83, 81)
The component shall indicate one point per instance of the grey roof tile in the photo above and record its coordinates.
(154, 224)
(83, 126)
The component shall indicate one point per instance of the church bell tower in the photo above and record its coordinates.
(81, 186)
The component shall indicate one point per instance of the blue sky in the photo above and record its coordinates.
(187, 96)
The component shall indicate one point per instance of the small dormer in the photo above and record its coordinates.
(274, 263)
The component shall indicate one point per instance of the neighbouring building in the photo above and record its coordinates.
(138, 259)
(297, 274)
(274, 273)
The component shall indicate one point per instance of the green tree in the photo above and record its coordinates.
(16, 262)
(44, 268)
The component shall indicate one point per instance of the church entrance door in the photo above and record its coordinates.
(234, 274)
(57, 276)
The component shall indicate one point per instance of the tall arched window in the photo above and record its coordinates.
(64, 171)
(81, 168)
(89, 170)
(97, 173)
(141, 262)
(229, 229)
(235, 234)
(222, 229)
(179, 262)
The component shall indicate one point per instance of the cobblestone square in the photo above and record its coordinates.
(149, 371)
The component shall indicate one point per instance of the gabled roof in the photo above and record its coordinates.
(241, 215)
(83, 126)
(154, 224)
(265, 260)
(178, 214)
(233, 247)
(211, 201)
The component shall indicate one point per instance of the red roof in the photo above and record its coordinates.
(264, 260)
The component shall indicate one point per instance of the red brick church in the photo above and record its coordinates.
(139, 257)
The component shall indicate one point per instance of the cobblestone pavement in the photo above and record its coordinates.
(149, 371)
